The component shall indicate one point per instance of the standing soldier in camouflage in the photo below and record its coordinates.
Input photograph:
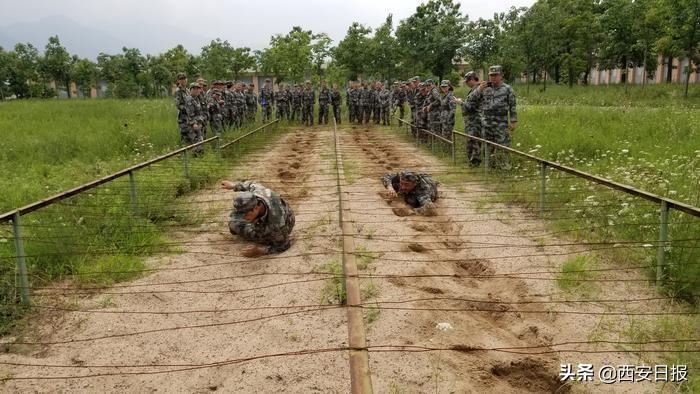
(447, 109)
(354, 104)
(348, 91)
(419, 114)
(336, 102)
(281, 99)
(181, 95)
(204, 103)
(260, 215)
(398, 97)
(267, 100)
(418, 190)
(251, 102)
(296, 103)
(240, 103)
(365, 103)
(499, 112)
(411, 91)
(376, 105)
(230, 105)
(308, 99)
(324, 98)
(433, 108)
(216, 107)
(195, 118)
(471, 114)
(384, 105)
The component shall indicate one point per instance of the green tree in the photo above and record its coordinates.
(435, 32)
(23, 70)
(682, 32)
(85, 74)
(216, 58)
(56, 64)
(351, 53)
(241, 60)
(289, 57)
(384, 51)
(617, 23)
(320, 52)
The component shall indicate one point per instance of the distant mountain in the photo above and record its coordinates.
(89, 42)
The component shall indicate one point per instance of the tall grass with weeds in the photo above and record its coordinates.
(99, 237)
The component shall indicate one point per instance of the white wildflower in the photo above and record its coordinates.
(444, 326)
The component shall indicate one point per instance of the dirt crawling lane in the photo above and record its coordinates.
(238, 309)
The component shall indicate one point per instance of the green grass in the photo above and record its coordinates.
(574, 273)
(96, 238)
(647, 138)
(333, 291)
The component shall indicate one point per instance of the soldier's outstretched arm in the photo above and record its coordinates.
(388, 178)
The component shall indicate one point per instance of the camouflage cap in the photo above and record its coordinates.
(308, 82)
(416, 78)
(181, 76)
(422, 84)
(444, 83)
(267, 80)
(409, 176)
(470, 75)
(493, 70)
(429, 81)
(244, 202)
(195, 85)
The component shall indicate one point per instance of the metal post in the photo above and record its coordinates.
(543, 184)
(21, 263)
(454, 157)
(187, 164)
(132, 189)
(663, 238)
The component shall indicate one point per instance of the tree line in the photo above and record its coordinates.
(559, 40)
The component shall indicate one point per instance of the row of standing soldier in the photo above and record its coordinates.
(225, 105)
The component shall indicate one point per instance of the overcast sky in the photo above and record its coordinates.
(156, 25)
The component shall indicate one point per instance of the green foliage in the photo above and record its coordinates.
(56, 64)
(333, 291)
(294, 56)
(351, 52)
(221, 60)
(434, 33)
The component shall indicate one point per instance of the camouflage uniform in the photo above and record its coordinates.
(296, 103)
(424, 193)
(435, 111)
(365, 104)
(354, 106)
(240, 106)
(497, 104)
(385, 106)
(308, 99)
(376, 106)
(273, 228)
(204, 104)
(229, 106)
(267, 100)
(324, 98)
(181, 95)
(398, 97)
(195, 116)
(251, 102)
(420, 116)
(216, 106)
(336, 102)
(471, 114)
(281, 100)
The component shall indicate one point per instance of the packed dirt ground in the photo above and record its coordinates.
(210, 319)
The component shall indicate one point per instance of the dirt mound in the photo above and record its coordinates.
(474, 267)
(416, 247)
(529, 374)
(431, 290)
